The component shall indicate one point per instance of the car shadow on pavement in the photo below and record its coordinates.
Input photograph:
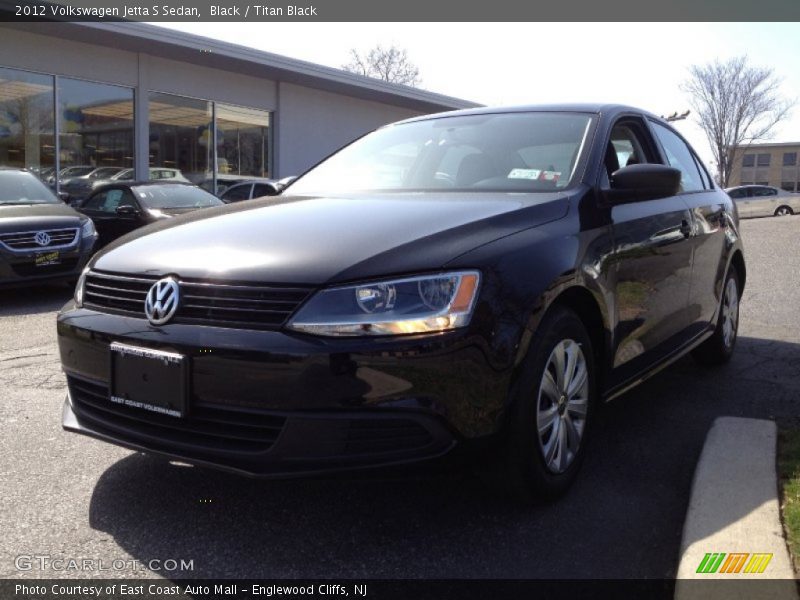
(34, 300)
(622, 519)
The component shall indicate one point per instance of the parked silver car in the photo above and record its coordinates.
(764, 201)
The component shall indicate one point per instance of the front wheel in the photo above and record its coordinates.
(783, 211)
(718, 349)
(552, 409)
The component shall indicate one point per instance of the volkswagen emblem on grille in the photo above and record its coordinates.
(42, 238)
(162, 301)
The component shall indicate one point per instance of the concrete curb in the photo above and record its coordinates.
(734, 508)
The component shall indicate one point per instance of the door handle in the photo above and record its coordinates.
(686, 228)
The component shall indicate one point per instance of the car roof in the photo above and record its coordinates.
(586, 107)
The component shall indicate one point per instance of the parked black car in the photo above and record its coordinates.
(119, 208)
(484, 274)
(41, 239)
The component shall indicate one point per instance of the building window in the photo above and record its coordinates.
(746, 183)
(242, 141)
(26, 122)
(181, 136)
(762, 182)
(787, 186)
(749, 160)
(182, 133)
(789, 159)
(763, 160)
(95, 129)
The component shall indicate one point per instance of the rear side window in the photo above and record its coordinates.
(680, 156)
(237, 192)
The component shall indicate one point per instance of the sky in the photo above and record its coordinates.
(640, 64)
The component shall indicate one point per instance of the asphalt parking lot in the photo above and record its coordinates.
(67, 496)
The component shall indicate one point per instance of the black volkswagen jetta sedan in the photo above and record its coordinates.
(482, 274)
(42, 240)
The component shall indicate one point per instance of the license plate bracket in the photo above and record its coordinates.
(147, 379)
(46, 259)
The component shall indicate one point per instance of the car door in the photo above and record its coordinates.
(741, 197)
(711, 219)
(652, 259)
(764, 201)
(104, 209)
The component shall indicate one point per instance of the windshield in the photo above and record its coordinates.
(104, 172)
(175, 196)
(76, 171)
(507, 152)
(19, 187)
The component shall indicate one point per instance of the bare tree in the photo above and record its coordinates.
(736, 105)
(389, 64)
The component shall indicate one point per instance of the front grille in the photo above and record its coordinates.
(210, 429)
(23, 241)
(32, 270)
(205, 302)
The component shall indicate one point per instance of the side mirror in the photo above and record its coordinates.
(644, 182)
(127, 211)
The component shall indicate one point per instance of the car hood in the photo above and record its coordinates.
(316, 240)
(27, 217)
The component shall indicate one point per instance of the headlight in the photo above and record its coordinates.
(425, 304)
(87, 229)
(79, 287)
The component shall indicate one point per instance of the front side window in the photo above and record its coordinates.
(109, 201)
(237, 192)
(509, 152)
(680, 156)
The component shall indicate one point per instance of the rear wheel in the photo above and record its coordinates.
(783, 211)
(718, 349)
(552, 409)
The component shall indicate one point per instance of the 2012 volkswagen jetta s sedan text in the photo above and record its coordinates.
(482, 274)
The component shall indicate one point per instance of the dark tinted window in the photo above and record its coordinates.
(237, 192)
(789, 159)
(680, 157)
(109, 200)
(749, 160)
(765, 191)
(260, 190)
(787, 186)
(739, 193)
(175, 196)
(21, 187)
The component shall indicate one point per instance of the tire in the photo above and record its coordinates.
(548, 426)
(718, 349)
(783, 211)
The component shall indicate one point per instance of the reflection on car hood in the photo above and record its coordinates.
(26, 217)
(315, 240)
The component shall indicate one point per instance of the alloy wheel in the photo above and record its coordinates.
(730, 313)
(562, 405)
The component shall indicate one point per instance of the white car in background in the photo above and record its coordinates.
(764, 201)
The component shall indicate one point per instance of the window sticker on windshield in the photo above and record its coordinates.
(524, 174)
(550, 175)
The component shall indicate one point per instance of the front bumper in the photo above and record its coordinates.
(19, 268)
(268, 403)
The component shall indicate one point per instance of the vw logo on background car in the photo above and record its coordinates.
(162, 300)
(42, 238)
